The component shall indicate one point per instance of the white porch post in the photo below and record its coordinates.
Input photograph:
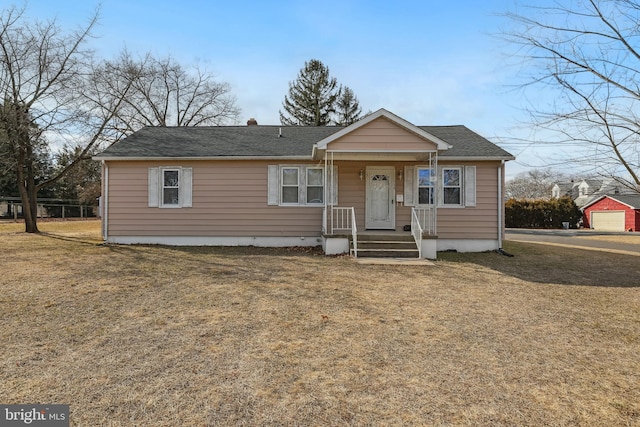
(328, 193)
(435, 200)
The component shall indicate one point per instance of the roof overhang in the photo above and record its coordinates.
(186, 159)
(381, 155)
(444, 157)
(440, 144)
(612, 197)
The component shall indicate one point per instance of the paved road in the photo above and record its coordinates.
(575, 238)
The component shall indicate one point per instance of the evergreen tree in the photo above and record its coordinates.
(312, 97)
(348, 108)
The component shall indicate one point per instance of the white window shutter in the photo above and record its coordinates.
(333, 193)
(154, 187)
(409, 185)
(186, 188)
(438, 187)
(273, 187)
(469, 185)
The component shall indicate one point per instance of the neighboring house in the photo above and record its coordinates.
(584, 191)
(306, 186)
(613, 213)
(562, 189)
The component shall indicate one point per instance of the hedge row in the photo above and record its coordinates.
(523, 213)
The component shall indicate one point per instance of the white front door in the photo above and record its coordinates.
(380, 198)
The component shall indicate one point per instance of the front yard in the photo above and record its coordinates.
(151, 335)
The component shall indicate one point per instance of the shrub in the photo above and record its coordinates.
(524, 213)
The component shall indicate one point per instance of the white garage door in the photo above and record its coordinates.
(608, 221)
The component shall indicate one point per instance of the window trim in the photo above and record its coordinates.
(432, 186)
(282, 186)
(307, 186)
(162, 203)
(275, 186)
(460, 186)
(155, 186)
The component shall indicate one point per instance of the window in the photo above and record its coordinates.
(170, 187)
(315, 186)
(290, 185)
(301, 185)
(425, 186)
(451, 186)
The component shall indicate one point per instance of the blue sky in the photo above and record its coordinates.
(430, 62)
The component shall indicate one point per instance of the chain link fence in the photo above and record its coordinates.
(11, 208)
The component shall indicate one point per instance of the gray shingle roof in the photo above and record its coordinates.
(465, 142)
(264, 141)
(628, 199)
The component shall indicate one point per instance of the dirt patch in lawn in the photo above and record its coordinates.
(151, 335)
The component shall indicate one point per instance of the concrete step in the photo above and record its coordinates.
(388, 253)
(382, 244)
(386, 246)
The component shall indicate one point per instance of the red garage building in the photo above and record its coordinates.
(613, 213)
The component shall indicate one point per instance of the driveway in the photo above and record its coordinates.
(583, 239)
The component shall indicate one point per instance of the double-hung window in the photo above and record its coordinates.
(290, 180)
(448, 186)
(425, 186)
(170, 187)
(452, 186)
(301, 185)
(315, 186)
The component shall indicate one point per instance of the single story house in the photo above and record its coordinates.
(254, 185)
(613, 213)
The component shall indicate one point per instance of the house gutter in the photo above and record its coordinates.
(105, 201)
(474, 158)
(182, 159)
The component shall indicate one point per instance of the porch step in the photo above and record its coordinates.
(386, 246)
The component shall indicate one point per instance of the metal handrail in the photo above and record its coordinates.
(354, 232)
(416, 230)
(342, 219)
(426, 217)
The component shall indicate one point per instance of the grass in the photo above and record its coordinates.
(152, 335)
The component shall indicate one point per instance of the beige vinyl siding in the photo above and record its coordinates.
(380, 135)
(480, 221)
(229, 199)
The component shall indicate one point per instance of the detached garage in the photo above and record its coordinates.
(613, 213)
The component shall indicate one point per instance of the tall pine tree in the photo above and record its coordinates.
(312, 97)
(348, 108)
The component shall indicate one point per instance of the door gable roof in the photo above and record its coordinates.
(398, 121)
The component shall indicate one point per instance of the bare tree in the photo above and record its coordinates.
(46, 96)
(54, 93)
(164, 93)
(585, 53)
(533, 184)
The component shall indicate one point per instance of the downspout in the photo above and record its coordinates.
(500, 204)
(105, 200)
(326, 213)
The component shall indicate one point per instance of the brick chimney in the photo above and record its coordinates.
(252, 122)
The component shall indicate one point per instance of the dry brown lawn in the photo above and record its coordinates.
(162, 336)
(632, 239)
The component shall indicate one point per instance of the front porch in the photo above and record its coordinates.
(417, 240)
